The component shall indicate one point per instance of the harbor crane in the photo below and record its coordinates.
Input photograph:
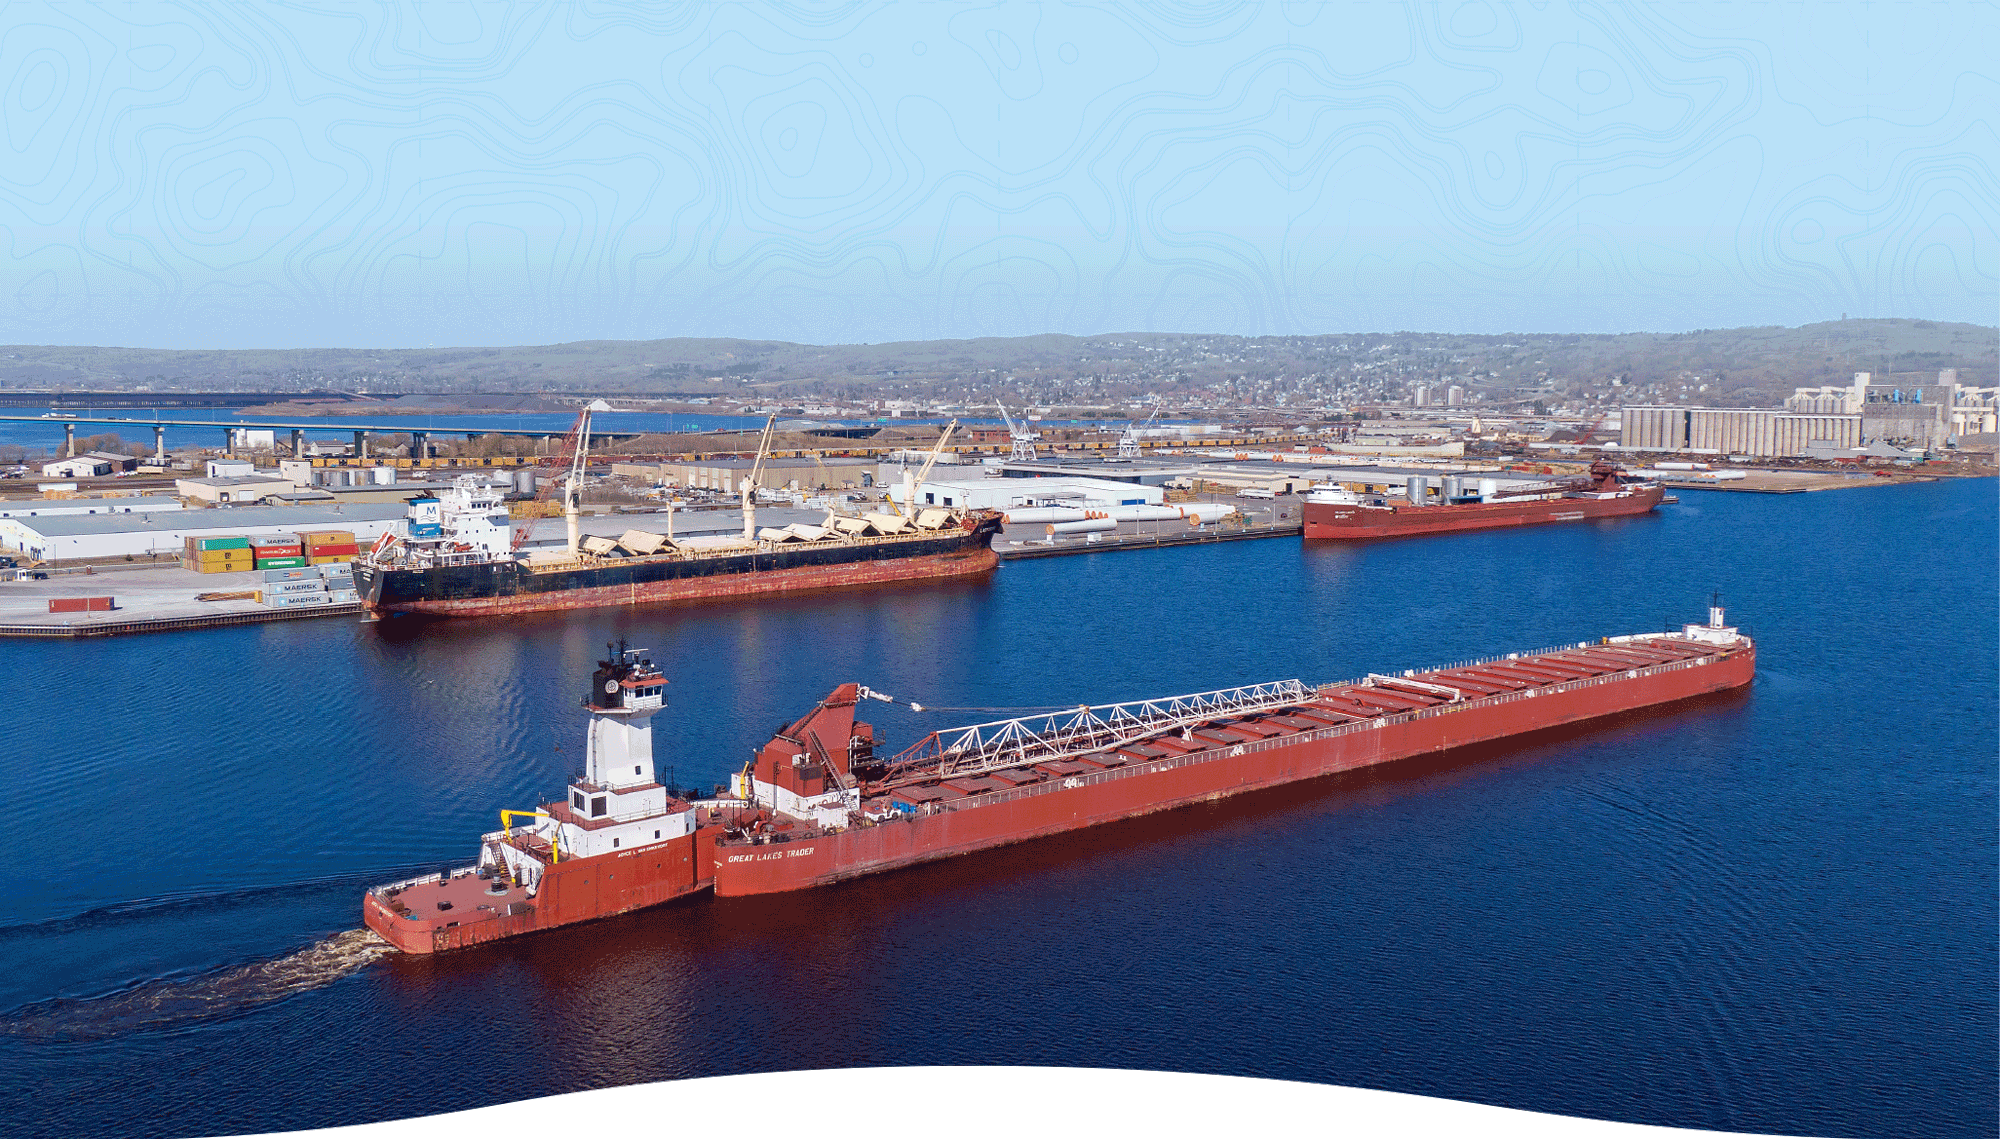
(1024, 440)
(1128, 443)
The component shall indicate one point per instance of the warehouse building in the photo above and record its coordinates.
(1005, 494)
(80, 467)
(228, 491)
(1145, 472)
(57, 507)
(729, 475)
(74, 537)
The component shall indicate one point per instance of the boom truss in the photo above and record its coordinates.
(1099, 728)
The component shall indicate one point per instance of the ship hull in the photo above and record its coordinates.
(571, 891)
(1141, 788)
(510, 587)
(1332, 522)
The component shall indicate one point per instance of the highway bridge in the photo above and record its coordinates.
(419, 443)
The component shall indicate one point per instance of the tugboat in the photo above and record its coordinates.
(620, 841)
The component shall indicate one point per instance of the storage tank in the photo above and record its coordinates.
(385, 476)
(1418, 489)
(524, 481)
(1454, 488)
(1489, 489)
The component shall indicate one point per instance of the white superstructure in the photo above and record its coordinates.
(466, 524)
(617, 802)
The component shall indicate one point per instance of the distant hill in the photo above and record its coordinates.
(1730, 366)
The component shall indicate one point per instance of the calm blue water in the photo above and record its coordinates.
(1774, 911)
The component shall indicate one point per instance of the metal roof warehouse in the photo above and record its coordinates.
(71, 537)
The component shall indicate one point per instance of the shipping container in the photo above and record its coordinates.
(342, 596)
(80, 605)
(280, 563)
(238, 543)
(307, 586)
(292, 600)
(300, 573)
(330, 559)
(332, 550)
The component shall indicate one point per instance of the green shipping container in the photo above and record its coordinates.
(222, 543)
(280, 563)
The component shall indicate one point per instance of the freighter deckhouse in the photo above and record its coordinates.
(618, 842)
(1334, 512)
(817, 805)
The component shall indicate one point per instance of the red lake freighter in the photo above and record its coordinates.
(818, 805)
(1334, 512)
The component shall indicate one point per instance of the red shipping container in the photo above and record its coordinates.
(80, 605)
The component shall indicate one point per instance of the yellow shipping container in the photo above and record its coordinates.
(330, 559)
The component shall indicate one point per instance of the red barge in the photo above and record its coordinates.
(619, 842)
(1336, 513)
(817, 806)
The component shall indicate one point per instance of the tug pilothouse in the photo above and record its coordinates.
(618, 840)
(617, 802)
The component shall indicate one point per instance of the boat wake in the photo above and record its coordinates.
(175, 1003)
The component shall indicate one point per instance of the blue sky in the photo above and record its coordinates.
(296, 175)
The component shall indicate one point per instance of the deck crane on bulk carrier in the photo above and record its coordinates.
(577, 446)
(751, 480)
(909, 486)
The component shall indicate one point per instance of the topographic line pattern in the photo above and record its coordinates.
(298, 174)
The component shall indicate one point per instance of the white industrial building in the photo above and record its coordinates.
(227, 491)
(1826, 419)
(58, 507)
(72, 537)
(1004, 494)
(80, 467)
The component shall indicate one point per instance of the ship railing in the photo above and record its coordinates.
(1373, 723)
(421, 880)
(1089, 728)
(1504, 658)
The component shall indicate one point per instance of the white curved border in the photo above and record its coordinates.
(997, 1101)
